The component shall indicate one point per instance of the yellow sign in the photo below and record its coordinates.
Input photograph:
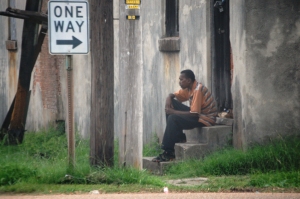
(132, 7)
(132, 17)
(135, 2)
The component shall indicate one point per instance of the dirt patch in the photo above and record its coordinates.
(188, 181)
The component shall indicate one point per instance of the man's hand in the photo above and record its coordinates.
(170, 111)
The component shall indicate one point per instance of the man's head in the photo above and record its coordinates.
(186, 79)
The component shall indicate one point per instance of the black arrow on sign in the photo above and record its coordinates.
(75, 42)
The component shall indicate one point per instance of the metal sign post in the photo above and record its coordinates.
(70, 113)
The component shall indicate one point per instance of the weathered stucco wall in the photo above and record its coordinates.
(195, 36)
(82, 94)
(3, 64)
(154, 74)
(265, 38)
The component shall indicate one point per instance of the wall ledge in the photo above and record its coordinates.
(11, 45)
(169, 44)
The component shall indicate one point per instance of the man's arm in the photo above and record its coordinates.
(170, 109)
(169, 101)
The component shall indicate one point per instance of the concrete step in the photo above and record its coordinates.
(213, 134)
(155, 167)
(185, 151)
(202, 141)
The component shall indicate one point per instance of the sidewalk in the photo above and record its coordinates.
(163, 196)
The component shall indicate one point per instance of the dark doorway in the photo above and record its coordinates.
(222, 67)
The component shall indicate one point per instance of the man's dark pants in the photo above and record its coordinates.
(175, 126)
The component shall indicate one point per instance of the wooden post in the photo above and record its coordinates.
(131, 87)
(30, 34)
(102, 80)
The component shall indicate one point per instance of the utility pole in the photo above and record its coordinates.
(102, 83)
(131, 86)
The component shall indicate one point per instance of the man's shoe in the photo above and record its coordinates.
(164, 157)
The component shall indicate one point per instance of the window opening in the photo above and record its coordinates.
(172, 18)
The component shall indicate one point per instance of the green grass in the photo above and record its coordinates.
(40, 165)
(288, 179)
(42, 159)
(279, 156)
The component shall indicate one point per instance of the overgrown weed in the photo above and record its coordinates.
(153, 148)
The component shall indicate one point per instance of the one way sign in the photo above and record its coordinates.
(68, 27)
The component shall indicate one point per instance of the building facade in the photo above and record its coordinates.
(245, 51)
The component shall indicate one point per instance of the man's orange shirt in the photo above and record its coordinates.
(201, 102)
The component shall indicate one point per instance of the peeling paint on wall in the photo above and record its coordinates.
(3, 78)
(276, 38)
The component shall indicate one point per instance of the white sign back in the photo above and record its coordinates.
(68, 23)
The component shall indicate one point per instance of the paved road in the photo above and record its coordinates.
(163, 196)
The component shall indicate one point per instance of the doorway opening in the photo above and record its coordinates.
(222, 68)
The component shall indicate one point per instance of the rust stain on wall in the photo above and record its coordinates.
(13, 74)
(171, 65)
(166, 66)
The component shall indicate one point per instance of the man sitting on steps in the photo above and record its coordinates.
(202, 112)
